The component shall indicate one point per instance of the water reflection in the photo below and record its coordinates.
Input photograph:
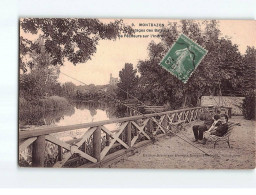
(79, 112)
(40, 117)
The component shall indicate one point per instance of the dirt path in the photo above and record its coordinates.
(172, 152)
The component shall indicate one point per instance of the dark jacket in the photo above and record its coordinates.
(221, 130)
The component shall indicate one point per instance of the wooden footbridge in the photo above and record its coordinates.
(99, 145)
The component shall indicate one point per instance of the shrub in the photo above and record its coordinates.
(39, 112)
(52, 103)
(46, 104)
(248, 107)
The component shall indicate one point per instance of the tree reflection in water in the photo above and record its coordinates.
(51, 117)
(42, 117)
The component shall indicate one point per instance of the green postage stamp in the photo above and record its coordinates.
(183, 58)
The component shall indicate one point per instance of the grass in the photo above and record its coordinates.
(34, 112)
(44, 104)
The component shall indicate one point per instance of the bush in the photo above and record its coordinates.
(249, 107)
(46, 104)
(54, 103)
(36, 112)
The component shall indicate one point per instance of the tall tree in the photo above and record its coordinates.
(128, 82)
(41, 78)
(69, 89)
(249, 71)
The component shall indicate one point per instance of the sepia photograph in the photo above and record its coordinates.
(136, 93)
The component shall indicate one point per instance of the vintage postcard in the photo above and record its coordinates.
(137, 93)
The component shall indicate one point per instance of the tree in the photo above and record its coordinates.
(249, 64)
(41, 79)
(248, 83)
(72, 39)
(248, 106)
(153, 85)
(69, 89)
(128, 81)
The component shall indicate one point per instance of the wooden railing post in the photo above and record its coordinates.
(38, 152)
(60, 154)
(129, 133)
(198, 114)
(195, 114)
(165, 123)
(135, 131)
(189, 115)
(151, 127)
(84, 147)
(107, 139)
(97, 143)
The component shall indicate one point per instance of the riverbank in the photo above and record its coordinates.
(174, 153)
(30, 112)
(47, 103)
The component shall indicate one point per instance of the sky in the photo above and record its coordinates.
(111, 55)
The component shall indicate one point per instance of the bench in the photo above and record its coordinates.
(225, 137)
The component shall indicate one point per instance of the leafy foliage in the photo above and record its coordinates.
(249, 107)
(71, 39)
(41, 79)
(249, 61)
(128, 81)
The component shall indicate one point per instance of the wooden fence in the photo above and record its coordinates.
(98, 142)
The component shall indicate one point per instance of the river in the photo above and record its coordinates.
(79, 112)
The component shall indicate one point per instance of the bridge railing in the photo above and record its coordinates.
(98, 142)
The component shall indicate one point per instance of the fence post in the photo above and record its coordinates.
(129, 133)
(107, 139)
(151, 127)
(189, 116)
(196, 114)
(135, 131)
(84, 147)
(38, 152)
(60, 154)
(229, 112)
(97, 143)
(165, 123)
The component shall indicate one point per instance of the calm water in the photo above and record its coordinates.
(79, 112)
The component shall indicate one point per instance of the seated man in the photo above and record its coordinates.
(216, 123)
(199, 130)
(221, 129)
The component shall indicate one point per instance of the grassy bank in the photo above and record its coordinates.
(35, 112)
(49, 103)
